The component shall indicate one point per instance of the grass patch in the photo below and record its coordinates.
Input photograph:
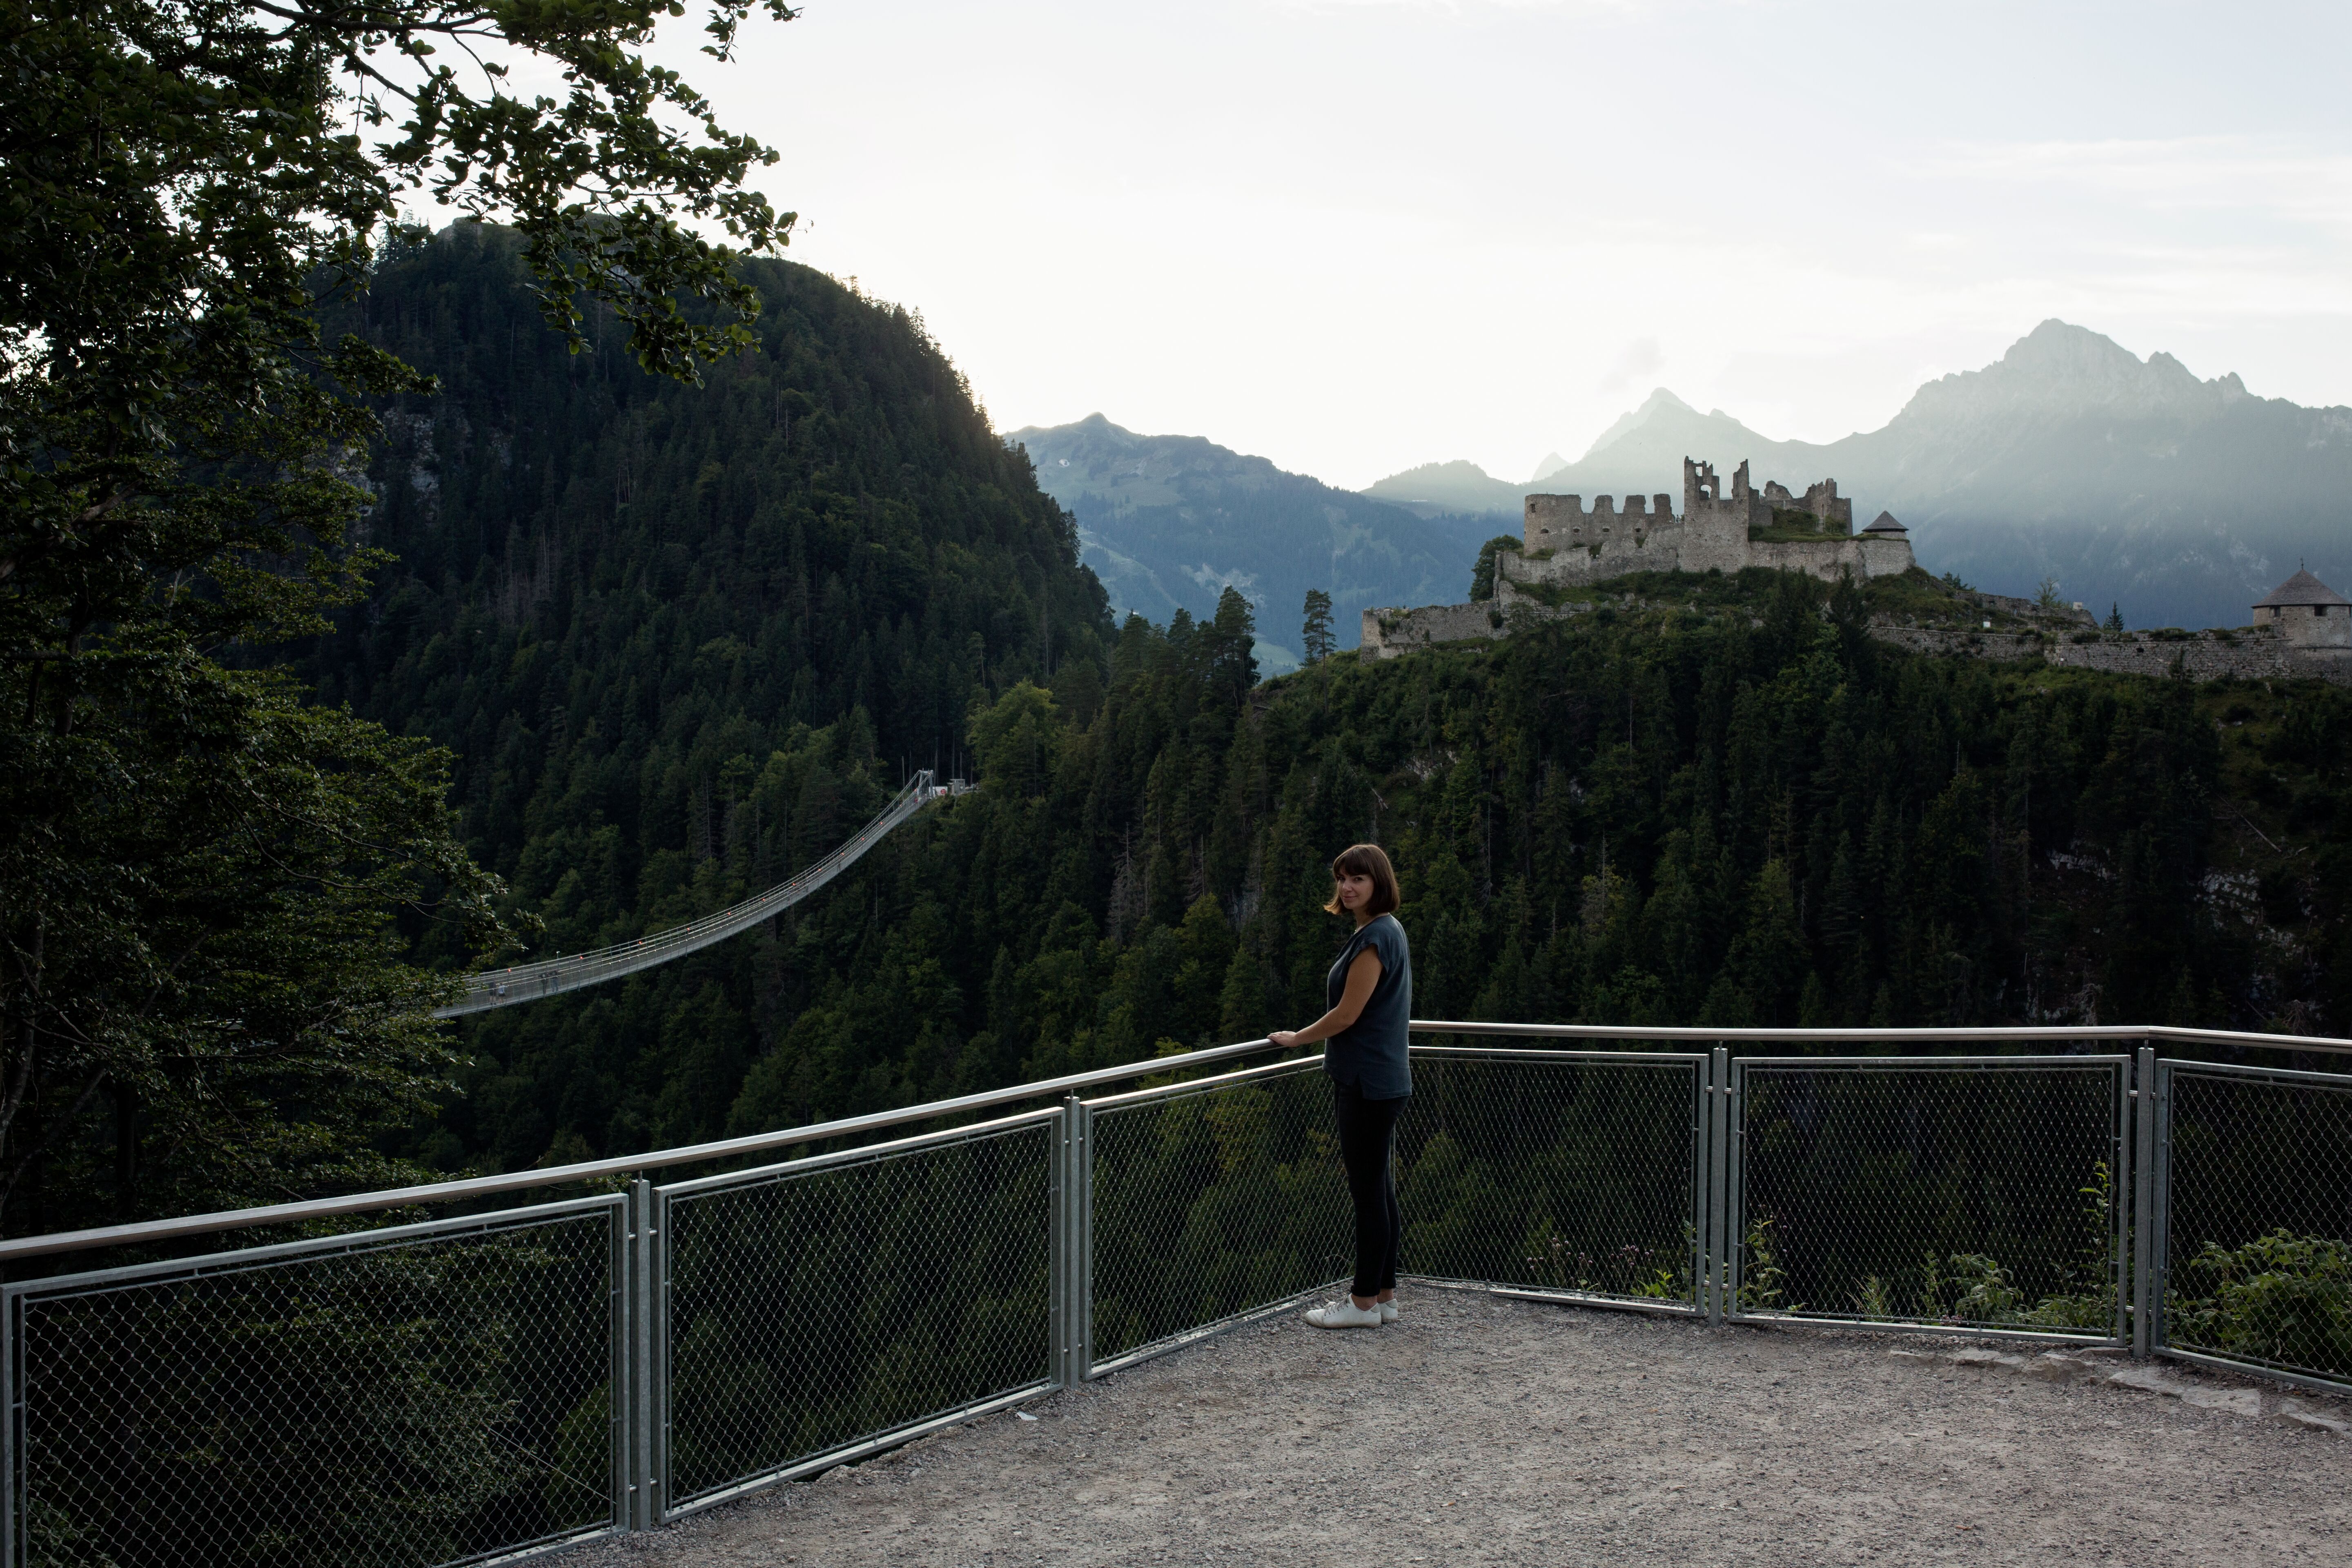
(1789, 526)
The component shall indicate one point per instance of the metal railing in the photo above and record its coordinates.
(435, 1392)
(475, 1388)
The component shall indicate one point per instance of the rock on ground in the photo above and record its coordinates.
(1485, 1430)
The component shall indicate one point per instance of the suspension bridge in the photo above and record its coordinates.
(551, 976)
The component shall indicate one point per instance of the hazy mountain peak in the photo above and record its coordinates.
(2061, 369)
(1434, 489)
(1459, 468)
(1659, 401)
(1552, 463)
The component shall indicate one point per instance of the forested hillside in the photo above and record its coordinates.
(680, 637)
(685, 639)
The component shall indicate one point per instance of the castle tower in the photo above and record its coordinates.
(1714, 530)
(2307, 613)
(1885, 547)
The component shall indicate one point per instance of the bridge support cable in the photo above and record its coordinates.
(550, 976)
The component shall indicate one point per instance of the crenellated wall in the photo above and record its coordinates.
(1559, 522)
(1567, 546)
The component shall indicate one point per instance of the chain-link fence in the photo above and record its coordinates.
(433, 1394)
(2253, 1221)
(1575, 1174)
(815, 1305)
(1976, 1193)
(1211, 1201)
(483, 1387)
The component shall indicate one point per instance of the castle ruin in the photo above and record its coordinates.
(2301, 628)
(1565, 546)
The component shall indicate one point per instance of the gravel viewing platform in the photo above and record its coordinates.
(1483, 1430)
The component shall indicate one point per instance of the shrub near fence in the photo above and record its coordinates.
(1574, 1174)
(2254, 1216)
(477, 1388)
(1967, 1191)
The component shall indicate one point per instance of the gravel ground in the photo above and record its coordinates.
(1487, 1430)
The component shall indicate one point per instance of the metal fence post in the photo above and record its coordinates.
(1058, 1227)
(621, 1365)
(2143, 1202)
(2123, 1192)
(1733, 1224)
(1067, 1307)
(637, 1330)
(1715, 1188)
(1082, 1273)
(2160, 1189)
(12, 1423)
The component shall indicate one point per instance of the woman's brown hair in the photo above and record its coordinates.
(1367, 860)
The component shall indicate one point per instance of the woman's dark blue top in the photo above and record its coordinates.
(1368, 1054)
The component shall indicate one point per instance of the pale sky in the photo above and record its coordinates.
(1352, 237)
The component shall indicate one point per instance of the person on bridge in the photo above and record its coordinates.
(1369, 994)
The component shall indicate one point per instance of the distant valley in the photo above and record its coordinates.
(1169, 521)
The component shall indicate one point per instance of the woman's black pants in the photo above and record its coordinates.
(1367, 1147)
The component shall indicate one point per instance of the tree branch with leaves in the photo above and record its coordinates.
(200, 872)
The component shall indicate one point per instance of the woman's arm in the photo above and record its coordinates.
(1362, 975)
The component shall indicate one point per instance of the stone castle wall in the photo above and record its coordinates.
(1865, 557)
(2332, 629)
(1390, 633)
(2203, 655)
(1565, 545)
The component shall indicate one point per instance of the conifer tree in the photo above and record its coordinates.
(1482, 575)
(1315, 633)
(1227, 648)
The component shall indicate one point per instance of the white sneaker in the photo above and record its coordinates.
(1344, 1314)
(1387, 1312)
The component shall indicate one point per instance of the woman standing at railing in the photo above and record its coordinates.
(1369, 994)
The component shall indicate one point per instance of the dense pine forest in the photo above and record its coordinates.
(682, 640)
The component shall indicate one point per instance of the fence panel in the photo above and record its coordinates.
(2254, 1169)
(1977, 1194)
(423, 1395)
(814, 1309)
(1211, 1200)
(1570, 1173)
(473, 1389)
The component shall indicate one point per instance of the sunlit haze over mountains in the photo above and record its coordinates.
(1353, 238)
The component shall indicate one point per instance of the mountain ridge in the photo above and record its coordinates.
(1167, 522)
(2130, 480)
